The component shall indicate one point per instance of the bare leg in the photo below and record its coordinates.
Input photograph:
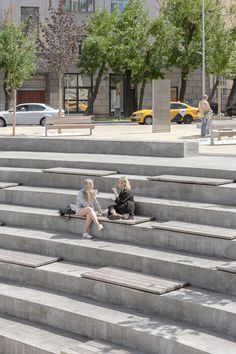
(91, 216)
(88, 223)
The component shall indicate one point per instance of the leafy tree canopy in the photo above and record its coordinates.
(17, 55)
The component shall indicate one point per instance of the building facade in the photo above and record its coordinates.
(77, 87)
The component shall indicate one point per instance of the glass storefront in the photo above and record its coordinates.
(77, 90)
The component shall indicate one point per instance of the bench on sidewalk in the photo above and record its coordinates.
(69, 122)
(223, 128)
(219, 128)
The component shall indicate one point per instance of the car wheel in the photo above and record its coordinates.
(43, 121)
(2, 122)
(148, 120)
(188, 119)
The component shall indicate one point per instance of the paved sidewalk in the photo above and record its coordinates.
(133, 131)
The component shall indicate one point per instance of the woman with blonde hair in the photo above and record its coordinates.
(124, 201)
(87, 205)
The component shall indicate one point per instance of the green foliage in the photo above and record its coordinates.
(97, 45)
(17, 55)
(130, 43)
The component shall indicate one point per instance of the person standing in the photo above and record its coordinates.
(204, 111)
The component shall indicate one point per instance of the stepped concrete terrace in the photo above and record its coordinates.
(163, 286)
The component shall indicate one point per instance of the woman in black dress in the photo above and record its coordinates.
(124, 203)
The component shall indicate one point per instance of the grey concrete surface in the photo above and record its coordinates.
(225, 194)
(198, 270)
(194, 305)
(159, 208)
(129, 328)
(202, 166)
(204, 310)
(19, 336)
(173, 149)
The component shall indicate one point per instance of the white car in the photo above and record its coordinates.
(29, 113)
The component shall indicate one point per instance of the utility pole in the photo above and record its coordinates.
(203, 50)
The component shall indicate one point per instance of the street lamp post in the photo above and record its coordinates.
(203, 50)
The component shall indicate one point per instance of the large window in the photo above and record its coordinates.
(30, 13)
(79, 5)
(119, 3)
(77, 90)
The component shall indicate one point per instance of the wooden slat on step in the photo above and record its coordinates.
(196, 229)
(228, 267)
(191, 180)
(4, 185)
(134, 280)
(136, 220)
(25, 259)
(79, 171)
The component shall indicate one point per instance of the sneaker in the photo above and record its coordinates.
(114, 217)
(86, 235)
(125, 216)
(100, 227)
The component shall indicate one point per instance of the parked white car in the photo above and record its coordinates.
(29, 113)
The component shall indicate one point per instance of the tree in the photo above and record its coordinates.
(17, 58)
(161, 38)
(186, 16)
(96, 49)
(220, 51)
(58, 44)
(128, 48)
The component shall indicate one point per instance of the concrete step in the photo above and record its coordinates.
(197, 270)
(98, 146)
(98, 347)
(142, 234)
(19, 336)
(208, 309)
(219, 167)
(110, 323)
(160, 209)
(141, 186)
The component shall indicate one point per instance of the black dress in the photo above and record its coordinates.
(125, 204)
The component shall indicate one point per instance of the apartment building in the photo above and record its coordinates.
(43, 88)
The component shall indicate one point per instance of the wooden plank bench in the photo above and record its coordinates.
(219, 128)
(69, 122)
(223, 128)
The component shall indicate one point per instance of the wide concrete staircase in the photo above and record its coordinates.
(164, 282)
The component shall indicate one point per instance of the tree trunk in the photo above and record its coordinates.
(184, 80)
(232, 94)
(14, 111)
(141, 96)
(128, 94)
(60, 94)
(213, 91)
(6, 93)
(96, 87)
(59, 97)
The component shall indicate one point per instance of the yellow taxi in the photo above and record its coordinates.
(179, 112)
(72, 106)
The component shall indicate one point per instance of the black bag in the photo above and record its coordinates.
(68, 211)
